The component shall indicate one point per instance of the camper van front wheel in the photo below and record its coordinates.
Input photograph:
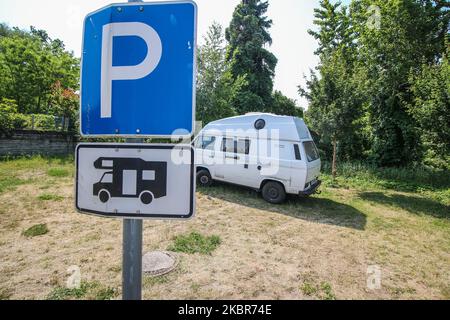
(103, 195)
(273, 192)
(146, 197)
(204, 178)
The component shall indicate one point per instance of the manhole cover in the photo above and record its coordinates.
(156, 263)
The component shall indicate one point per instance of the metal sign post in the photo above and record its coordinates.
(132, 251)
(132, 259)
(132, 254)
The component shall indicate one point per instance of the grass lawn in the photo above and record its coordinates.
(237, 246)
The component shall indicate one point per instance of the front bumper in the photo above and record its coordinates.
(311, 189)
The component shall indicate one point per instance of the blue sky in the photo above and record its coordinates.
(291, 19)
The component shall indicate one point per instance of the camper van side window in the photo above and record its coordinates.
(208, 143)
(297, 152)
(243, 146)
(228, 145)
(148, 175)
(311, 151)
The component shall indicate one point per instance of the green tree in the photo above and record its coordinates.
(409, 33)
(331, 27)
(335, 109)
(431, 110)
(335, 103)
(10, 119)
(247, 37)
(64, 102)
(30, 62)
(378, 68)
(283, 105)
(215, 86)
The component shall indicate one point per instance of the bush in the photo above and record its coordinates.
(19, 120)
(8, 105)
(41, 122)
(8, 115)
(10, 119)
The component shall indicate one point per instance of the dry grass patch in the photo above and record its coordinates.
(313, 248)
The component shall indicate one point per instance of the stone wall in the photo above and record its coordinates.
(29, 142)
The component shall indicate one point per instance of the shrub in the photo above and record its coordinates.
(8, 110)
(41, 122)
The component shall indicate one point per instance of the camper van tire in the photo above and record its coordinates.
(204, 178)
(273, 192)
(146, 197)
(104, 195)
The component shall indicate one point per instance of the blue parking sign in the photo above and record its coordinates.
(138, 70)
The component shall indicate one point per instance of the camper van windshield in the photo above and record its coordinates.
(107, 177)
(311, 151)
(205, 142)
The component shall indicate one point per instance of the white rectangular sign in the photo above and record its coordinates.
(135, 180)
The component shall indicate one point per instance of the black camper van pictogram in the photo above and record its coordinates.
(131, 178)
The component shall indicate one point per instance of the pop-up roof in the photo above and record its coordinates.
(286, 127)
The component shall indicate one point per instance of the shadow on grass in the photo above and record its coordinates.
(413, 204)
(314, 208)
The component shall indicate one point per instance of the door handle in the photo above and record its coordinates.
(232, 157)
(258, 167)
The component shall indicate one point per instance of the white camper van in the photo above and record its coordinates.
(269, 153)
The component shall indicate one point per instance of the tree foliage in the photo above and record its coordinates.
(30, 64)
(283, 105)
(380, 65)
(247, 37)
(335, 107)
(10, 119)
(218, 89)
(430, 108)
(215, 86)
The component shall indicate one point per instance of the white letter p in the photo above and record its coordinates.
(110, 72)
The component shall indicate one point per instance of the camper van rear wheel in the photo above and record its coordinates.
(273, 192)
(204, 178)
(146, 197)
(103, 195)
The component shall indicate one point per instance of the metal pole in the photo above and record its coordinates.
(132, 251)
(132, 255)
(132, 259)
